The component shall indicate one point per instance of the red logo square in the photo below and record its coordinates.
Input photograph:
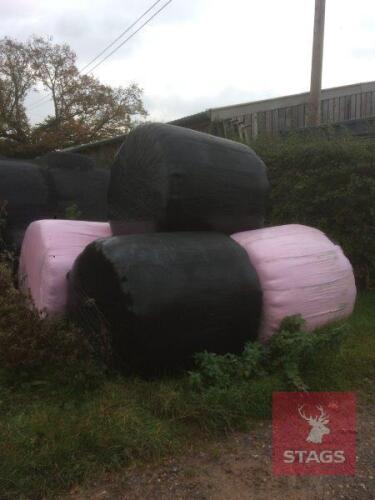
(314, 433)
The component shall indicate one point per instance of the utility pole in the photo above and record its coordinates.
(313, 115)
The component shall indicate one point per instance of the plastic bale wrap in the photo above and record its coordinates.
(169, 178)
(302, 272)
(74, 181)
(25, 191)
(49, 250)
(160, 298)
(67, 161)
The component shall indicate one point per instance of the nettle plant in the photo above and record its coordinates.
(288, 352)
(72, 212)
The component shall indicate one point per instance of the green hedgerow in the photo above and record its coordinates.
(326, 181)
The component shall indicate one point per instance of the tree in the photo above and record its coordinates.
(16, 80)
(104, 111)
(84, 109)
(55, 67)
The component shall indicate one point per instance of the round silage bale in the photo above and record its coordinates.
(67, 161)
(48, 252)
(24, 194)
(169, 178)
(302, 272)
(162, 297)
(74, 181)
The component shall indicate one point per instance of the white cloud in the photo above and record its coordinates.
(205, 53)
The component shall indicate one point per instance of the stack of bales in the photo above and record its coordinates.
(172, 281)
(185, 264)
(46, 188)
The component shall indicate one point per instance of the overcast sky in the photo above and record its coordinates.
(199, 54)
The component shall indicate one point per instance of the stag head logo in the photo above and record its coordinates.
(318, 425)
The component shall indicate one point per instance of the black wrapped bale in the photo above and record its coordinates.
(75, 182)
(169, 178)
(24, 189)
(67, 161)
(165, 296)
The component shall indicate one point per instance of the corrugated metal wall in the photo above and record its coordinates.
(333, 110)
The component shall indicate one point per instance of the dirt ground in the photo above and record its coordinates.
(239, 468)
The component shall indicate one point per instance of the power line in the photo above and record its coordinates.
(131, 36)
(120, 36)
(46, 99)
(42, 100)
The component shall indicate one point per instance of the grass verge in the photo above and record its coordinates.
(55, 434)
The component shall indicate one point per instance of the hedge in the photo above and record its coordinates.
(328, 182)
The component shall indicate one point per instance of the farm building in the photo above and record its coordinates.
(350, 106)
(281, 114)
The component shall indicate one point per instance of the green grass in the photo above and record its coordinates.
(53, 435)
(353, 368)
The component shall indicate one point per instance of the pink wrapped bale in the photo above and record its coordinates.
(48, 252)
(302, 272)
